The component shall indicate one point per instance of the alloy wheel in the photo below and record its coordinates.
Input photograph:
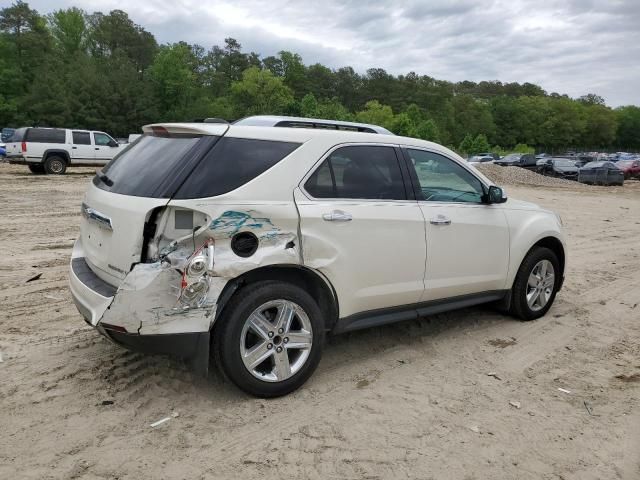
(540, 285)
(276, 340)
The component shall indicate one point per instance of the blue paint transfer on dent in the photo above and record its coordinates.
(231, 222)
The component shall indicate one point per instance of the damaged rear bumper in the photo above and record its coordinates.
(102, 307)
(193, 347)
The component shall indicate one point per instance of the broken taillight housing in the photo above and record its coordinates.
(195, 283)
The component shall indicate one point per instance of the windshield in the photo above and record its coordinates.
(6, 134)
(594, 165)
(564, 163)
(513, 157)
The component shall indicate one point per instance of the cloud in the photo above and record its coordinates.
(566, 46)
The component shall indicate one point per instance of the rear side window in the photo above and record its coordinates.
(232, 163)
(363, 171)
(81, 138)
(45, 135)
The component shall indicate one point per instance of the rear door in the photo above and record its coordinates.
(467, 240)
(361, 228)
(82, 150)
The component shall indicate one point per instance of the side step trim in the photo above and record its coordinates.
(374, 318)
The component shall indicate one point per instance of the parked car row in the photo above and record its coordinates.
(525, 160)
(595, 173)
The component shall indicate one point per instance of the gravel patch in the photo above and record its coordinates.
(521, 176)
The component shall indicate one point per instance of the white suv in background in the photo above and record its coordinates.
(52, 150)
(254, 242)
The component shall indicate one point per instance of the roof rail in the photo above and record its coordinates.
(302, 122)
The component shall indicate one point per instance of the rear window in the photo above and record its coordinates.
(18, 135)
(232, 163)
(45, 135)
(152, 166)
(185, 167)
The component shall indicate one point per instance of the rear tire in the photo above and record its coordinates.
(37, 169)
(55, 165)
(276, 358)
(536, 284)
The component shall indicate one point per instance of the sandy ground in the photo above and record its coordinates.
(412, 400)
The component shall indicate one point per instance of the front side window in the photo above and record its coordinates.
(101, 139)
(81, 138)
(442, 180)
(362, 171)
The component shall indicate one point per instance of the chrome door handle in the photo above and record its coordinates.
(440, 220)
(337, 216)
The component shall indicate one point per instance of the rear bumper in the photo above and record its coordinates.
(94, 298)
(23, 160)
(192, 346)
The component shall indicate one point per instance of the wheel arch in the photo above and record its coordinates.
(311, 280)
(547, 241)
(556, 246)
(56, 152)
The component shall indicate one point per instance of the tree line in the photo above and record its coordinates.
(102, 71)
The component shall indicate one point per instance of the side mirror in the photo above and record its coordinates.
(495, 195)
(113, 143)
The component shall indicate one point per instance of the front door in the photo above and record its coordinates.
(467, 240)
(360, 229)
(103, 150)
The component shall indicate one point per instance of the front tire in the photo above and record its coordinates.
(269, 338)
(55, 165)
(536, 284)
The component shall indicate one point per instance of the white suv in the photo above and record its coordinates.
(52, 150)
(254, 242)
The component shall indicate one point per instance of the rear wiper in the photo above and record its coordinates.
(105, 179)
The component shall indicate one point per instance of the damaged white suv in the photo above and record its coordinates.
(251, 243)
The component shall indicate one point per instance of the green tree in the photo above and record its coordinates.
(260, 92)
(29, 42)
(480, 144)
(116, 33)
(466, 146)
(427, 130)
(403, 125)
(628, 135)
(334, 110)
(601, 125)
(174, 79)
(377, 114)
(471, 116)
(69, 30)
(309, 106)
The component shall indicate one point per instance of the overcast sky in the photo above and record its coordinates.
(566, 46)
